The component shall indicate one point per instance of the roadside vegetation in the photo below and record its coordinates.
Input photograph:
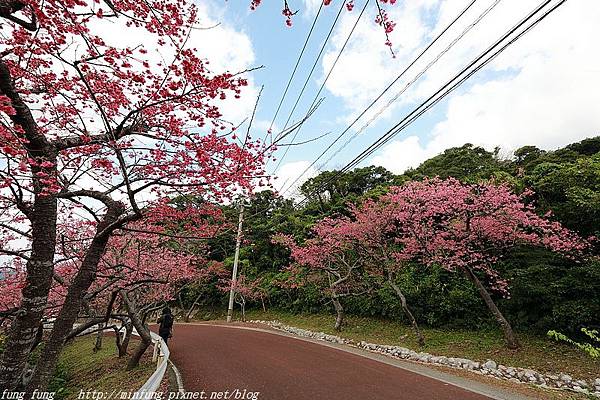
(545, 278)
(536, 352)
(119, 178)
(81, 368)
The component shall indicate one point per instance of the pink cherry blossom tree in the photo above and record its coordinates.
(92, 125)
(469, 228)
(370, 228)
(366, 238)
(332, 256)
(245, 290)
(132, 276)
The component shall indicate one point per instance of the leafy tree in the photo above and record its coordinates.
(371, 231)
(91, 126)
(549, 291)
(571, 191)
(527, 156)
(468, 228)
(329, 193)
(467, 163)
(332, 259)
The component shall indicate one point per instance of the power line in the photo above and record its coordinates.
(415, 79)
(406, 121)
(314, 65)
(286, 131)
(397, 128)
(389, 86)
(295, 67)
(448, 87)
(325, 81)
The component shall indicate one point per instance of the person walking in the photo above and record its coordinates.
(165, 329)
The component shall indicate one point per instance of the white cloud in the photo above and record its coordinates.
(366, 65)
(541, 91)
(400, 155)
(288, 174)
(310, 7)
(226, 47)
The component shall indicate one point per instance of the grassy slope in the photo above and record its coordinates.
(82, 369)
(539, 353)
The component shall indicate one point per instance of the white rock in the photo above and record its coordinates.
(565, 378)
(490, 364)
(579, 389)
(542, 382)
(582, 383)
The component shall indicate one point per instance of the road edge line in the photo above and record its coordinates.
(483, 389)
(178, 378)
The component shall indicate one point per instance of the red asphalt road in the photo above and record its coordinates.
(219, 359)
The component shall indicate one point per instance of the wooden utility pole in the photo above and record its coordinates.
(236, 260)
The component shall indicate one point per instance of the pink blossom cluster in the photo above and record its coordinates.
(154, 258)
(445, 222)
(381, 19)
(126, 90)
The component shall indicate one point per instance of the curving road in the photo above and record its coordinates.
(219, 359)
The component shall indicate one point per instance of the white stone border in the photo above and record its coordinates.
(490, 367)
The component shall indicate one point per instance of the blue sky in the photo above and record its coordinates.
(540, 92)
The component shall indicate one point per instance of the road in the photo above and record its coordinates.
(218, 359)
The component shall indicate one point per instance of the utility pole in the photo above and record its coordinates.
(236, 260)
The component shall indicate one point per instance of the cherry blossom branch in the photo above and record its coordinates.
(7, 8)
(15, 253)
(12, 228)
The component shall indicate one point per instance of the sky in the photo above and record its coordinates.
(541, 91)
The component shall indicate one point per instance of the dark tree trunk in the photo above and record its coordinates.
(142, 330)
(509, 336)
(243, 307)
(38, 337)
(42, 214)
(24, 328)
(188, 315)
(411, 318)
(125, 341)
(183, 311)
(339, 311)
(75, 295)
(99, 335)
(8, 7)
(139, 351)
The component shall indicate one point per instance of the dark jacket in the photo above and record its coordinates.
(166, 325)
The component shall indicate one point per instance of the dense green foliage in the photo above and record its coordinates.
(547, 291)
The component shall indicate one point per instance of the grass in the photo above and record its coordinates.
(537, 352)
(81, 369)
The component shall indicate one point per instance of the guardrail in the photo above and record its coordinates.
(160, 355)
